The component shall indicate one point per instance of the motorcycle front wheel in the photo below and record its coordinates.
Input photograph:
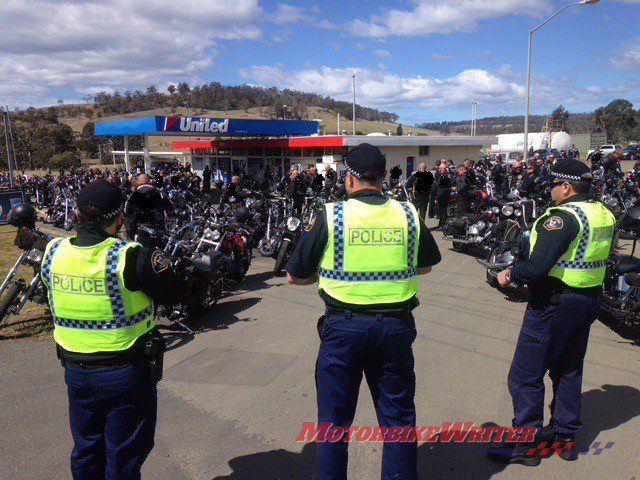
(283, 256)
(9, 299)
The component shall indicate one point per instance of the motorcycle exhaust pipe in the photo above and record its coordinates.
(494, 266)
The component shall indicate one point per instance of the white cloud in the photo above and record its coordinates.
(290, 14)
(382, 53)
(381, 88)
(628, 58)
(500, 90)
(442, 16)
(83, 45)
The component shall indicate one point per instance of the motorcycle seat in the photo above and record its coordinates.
(472, 218)
(626, 264)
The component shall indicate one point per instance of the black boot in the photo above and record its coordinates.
(569, 447)
(511, 452)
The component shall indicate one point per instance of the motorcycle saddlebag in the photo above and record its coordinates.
(456, 227)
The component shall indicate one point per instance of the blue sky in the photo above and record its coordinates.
(426, 60)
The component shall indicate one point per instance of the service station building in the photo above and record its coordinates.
(267, 148)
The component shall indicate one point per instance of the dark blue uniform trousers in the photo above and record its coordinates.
(380, 346)
(112, 412)
(554, 340)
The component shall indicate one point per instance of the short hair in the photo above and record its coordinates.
(581, 187)
(372, 177)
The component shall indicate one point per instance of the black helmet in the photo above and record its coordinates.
(22, 215)
(242, 214)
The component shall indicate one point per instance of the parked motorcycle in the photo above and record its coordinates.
(621, 290)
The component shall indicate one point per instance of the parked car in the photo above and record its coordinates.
(632, 152)
(605, 150)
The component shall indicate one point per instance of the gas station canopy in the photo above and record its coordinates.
(201, 126)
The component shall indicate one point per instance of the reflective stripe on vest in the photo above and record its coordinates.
(578, 262)
(120, 318)
(338, 273)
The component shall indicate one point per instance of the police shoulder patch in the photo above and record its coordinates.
(553, 223)
(312, 222)
(158, 261)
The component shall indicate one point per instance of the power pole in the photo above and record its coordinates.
(5, 115)
(354, 103)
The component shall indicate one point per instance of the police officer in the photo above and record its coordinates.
(565, 270)
(101, 293)
(367, 252)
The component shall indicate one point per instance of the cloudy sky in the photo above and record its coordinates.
(426, 60)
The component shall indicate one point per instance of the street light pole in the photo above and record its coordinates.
(354, 103)
(528, 81)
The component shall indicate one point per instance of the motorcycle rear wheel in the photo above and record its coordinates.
(8, 300)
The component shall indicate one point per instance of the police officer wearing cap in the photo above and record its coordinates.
(366, 253)
(101, 293)
(564, 271)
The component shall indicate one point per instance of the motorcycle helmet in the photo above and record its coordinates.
(22, 215)
(242, 214)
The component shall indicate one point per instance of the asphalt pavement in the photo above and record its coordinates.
(236, 393)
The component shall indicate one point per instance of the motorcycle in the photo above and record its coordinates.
(14, 294)
(512, 235)
(621, 289)
(291, 233)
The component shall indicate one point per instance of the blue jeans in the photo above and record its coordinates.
(552, 339)
(112, 413)
(380, 346)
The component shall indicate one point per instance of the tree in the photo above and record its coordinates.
(559, 118)
(399, 130)
(171, 89)
(619, 119)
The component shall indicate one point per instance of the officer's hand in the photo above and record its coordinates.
(502, 278)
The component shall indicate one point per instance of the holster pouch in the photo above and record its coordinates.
(154, 349)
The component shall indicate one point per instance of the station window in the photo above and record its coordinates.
(423, 151)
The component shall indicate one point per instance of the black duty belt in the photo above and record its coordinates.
(351, 313)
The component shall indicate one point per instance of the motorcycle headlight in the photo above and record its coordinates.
(293, 223)
(481, 226)
(35, 256)
(473, 230)
(507, 210)
(495, 210)
(215, 235)
(518, 213)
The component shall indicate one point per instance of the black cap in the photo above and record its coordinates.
(103, 195)
(571, 171)
(365, 158)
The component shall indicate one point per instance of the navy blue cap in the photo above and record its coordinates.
(365, 158)
(571, 171)
(103, 195)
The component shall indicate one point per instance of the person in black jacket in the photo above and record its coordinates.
(315, 180)
(294, 187)
(145, 206)
(443, 194)
(421, 182)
